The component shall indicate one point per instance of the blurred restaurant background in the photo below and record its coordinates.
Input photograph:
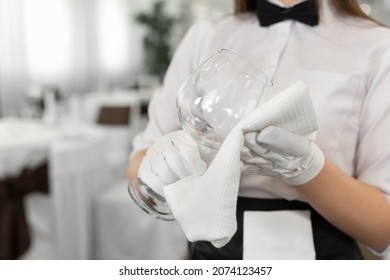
(75, 80)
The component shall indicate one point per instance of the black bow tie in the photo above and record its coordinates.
(305, 12)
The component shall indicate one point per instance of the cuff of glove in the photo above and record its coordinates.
(380, 254)
(308, 173)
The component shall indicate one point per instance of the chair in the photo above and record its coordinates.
(15, 237)
(110, 115)
(123, 231)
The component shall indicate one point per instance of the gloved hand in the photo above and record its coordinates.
(171, 158)
(277, 152)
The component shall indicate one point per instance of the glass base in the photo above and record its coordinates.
(148, 200)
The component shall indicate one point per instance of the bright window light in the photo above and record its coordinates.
(113, 35)
(48, 37)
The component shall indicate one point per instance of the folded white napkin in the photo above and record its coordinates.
(205, 206)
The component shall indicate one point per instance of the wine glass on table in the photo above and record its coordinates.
(214, 98)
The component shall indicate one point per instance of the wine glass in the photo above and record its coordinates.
(214, 98)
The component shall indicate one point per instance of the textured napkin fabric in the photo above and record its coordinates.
(205, 205)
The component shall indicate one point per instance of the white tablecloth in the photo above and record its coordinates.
(78, 171)
(24, 144)
(79, 166)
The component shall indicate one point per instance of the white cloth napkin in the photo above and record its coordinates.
(205, 206)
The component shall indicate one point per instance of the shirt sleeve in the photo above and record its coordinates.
(373, 150)
(162, 112)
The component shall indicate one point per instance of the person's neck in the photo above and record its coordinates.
(289, 2)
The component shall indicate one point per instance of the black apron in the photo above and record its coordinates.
(329, 242)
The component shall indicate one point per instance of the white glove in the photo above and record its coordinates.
(277, 152)
(171, 158)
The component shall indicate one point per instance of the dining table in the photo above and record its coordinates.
(77, 168)
(77, 207)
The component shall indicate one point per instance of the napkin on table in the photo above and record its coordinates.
(205, 205)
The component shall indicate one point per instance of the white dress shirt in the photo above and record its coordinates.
(344, 61)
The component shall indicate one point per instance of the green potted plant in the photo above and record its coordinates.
(157, 40)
